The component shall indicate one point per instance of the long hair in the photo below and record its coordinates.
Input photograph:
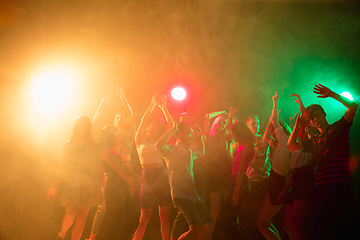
(124, 124)
(242, 132)
(82, 121)
(105, 137)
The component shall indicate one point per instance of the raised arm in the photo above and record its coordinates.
(299, 102)
(274, 113)
(140, 133)
(208, 117)
(124, 101)
(162, 106)
(232, 112)
(269, 131)
(200, 147)
(103, 103)
(324, 92)
(164, 139)
(292, 143)
(97, 121)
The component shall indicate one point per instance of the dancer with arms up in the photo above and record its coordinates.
(332, 200)
(157, 187)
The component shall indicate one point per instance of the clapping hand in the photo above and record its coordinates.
(162, 102)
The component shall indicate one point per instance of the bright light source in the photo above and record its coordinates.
(347, 95)
(178, 93)
(52, 91)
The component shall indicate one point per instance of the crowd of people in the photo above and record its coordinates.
(244, 176)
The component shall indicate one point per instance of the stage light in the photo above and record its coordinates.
(178, 93)
(52, 91)
(347, 95)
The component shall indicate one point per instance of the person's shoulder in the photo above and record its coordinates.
(342, 123)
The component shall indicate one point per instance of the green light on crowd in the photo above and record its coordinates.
(347, 95)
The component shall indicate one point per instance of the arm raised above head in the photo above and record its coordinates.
(163, 106)
(274, 113)
(124, 101)
(324, 92)
(299, 101)
(208, 117)
(164, 139)
(292, 143)
(140, 133)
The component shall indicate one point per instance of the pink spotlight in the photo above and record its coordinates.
(178, 93)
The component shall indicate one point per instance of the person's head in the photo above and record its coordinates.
(123, 123)
(316, 115)
(121, 119)
(219, 125)
(254, 124)
(184, 133)
(285, 127)
(184, 117)
(242, 133)
(82, 129)
(108, 137)
(156, 129)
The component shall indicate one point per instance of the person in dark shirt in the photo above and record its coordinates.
(332, 201)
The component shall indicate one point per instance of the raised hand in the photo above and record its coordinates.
(232, 111)
(301, 121)
(120, 91)
(275, 98)
(297, 97)
(322, 91)
(162, 101)
(104, 101)
(155, 99)
(50, 193)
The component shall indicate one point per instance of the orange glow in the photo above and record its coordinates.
(53, 91)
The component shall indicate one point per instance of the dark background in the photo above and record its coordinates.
(225, 53)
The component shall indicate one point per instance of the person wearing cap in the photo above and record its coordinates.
(332, 201)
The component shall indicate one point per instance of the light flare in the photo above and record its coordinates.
(347, 95)
(53, 91)
(178, 93)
